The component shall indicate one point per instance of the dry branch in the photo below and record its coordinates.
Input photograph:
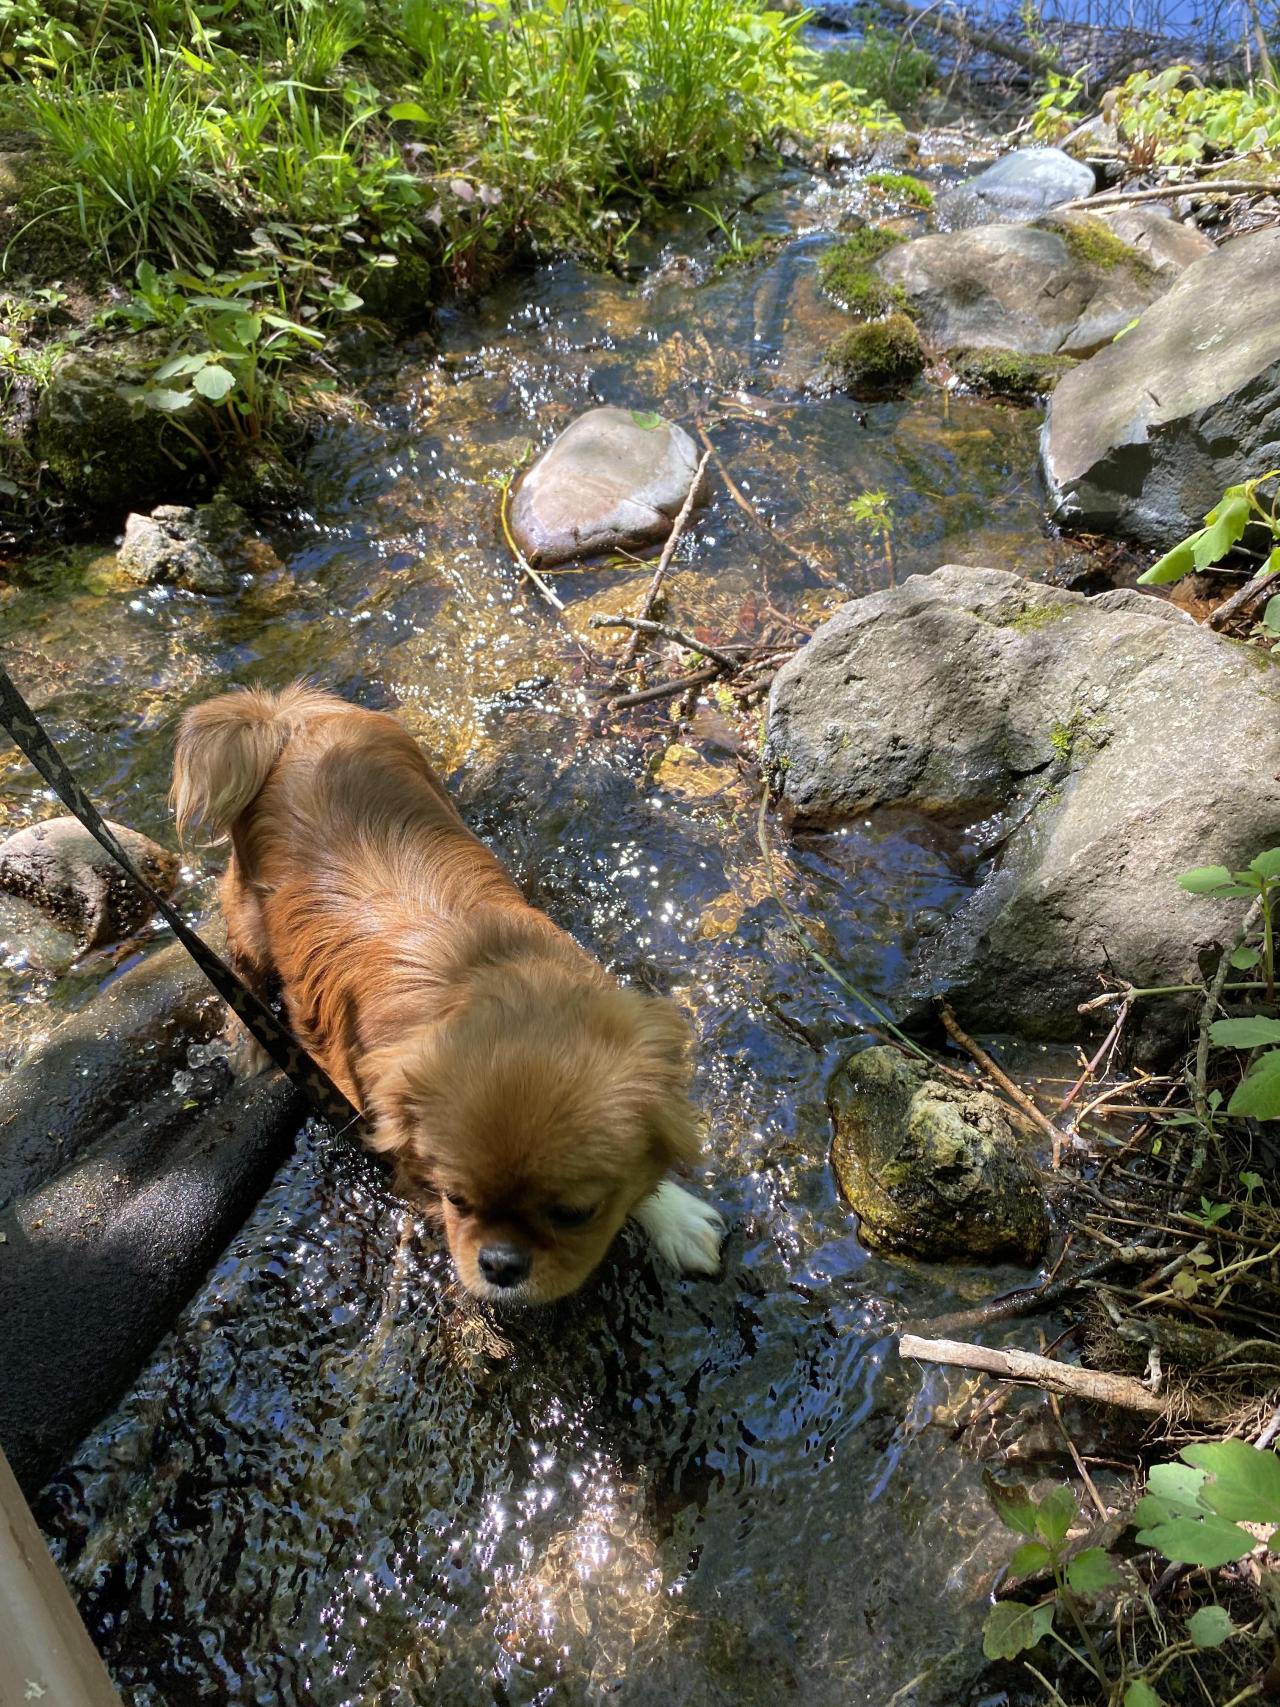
(986, 41)
(1166, 192)
(644, 625)
(1125, 1391)
(668, 552)
(664, 690)
(1244, 599)
(998, 1076)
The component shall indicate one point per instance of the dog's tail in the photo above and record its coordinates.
(227, 748)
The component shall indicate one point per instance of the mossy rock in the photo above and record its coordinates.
(879, 358)
(845, 271)
(1093, 244)
(932, 1169)
(109, 456)
(402, 296)
(1004, 373)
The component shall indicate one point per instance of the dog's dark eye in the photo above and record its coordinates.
(564, 1215)
(455, 1202)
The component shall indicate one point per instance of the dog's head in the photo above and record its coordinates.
(536, 1113)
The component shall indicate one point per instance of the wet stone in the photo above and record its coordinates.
(929, 1167)
(1019, 186)
(60, 868)
(197, 548)
(613, 480)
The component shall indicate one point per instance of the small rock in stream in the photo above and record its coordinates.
(1019, 186)
(192, 548)
(60, 868)
(615, 479)
(931, 1168)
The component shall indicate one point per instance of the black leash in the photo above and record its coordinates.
(17, 717)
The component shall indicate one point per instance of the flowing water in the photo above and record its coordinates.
(337, 1482)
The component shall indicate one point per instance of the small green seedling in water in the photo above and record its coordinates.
(1239, 508)
(874, 510)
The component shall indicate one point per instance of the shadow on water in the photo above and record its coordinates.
(336, 1482)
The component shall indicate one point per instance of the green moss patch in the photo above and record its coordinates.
(883, 356)
(1094, 244)
(846, 274)
(902, 184)
(1003, 373)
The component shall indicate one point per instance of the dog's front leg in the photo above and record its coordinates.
(685, 1230)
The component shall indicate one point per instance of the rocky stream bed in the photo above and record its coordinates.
(334, 1480)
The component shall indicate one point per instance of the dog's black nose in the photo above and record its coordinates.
(503, 1265)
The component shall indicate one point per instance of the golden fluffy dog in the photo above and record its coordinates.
(528, 1101)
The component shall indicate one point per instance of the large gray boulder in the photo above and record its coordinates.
(614, 480)
(1106, 744)
(60, 868)
(1064, 288)
(1019, 186)
(1142, 440)
(932, 1168)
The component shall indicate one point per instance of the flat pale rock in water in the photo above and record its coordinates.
(59, 868)
(1063, 287)
(614, 479)
(1019, 186)
(199, 548)
(1142, 440)
(930, 1167)
(1107, 744)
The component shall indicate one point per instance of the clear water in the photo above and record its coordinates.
(336, 1482)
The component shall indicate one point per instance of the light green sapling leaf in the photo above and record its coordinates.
(1141, 1694)
(1224, 527)
(1198, 1541)
(1014, 1506)
(1091, 1571)
(1266, 864)
(166, 400)
(1204, 879)
(1258, 1093)
(409, 110)
(1245, 958)
(1055, 1514)
(1243, 1483)
(1172, 566)
(1271, 614)
(213, 382)
(1210, 1626)
(1250, 1033)
(646, 418)
(1032, 1556)
(1011, 1628)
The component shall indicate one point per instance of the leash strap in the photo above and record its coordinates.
(17, 717)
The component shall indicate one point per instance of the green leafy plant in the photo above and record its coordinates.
(1013, 1626)
(1225, 525)
(1191, 1511)
(884, 67)
(1060, 107)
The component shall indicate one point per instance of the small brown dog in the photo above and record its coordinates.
(529, 1102)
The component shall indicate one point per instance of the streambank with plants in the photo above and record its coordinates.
(204, 206)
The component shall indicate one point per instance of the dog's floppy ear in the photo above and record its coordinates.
(663, 1042)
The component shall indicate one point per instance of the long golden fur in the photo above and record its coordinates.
(527, 1100)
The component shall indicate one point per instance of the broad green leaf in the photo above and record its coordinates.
(213, 382)
(1243, 1484)
(1224, 527)
(1204, 879)
(183, 364)
(1191, 1541)
(1210, 1626)
(1140, 1694)
(1172, 566)
(1012, 1628)
(409, 110)
(1271, 615)
(646, 418)
(1032, 1556)
(1245, 959)
(1266, 864)
(1055, 1514)
(1091, 1571)
(1249, 1033)
(344, 300)
(162, 398)
(1258, 1093)
(1013, 1506)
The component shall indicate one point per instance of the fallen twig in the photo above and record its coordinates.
(668, 551)
(1125, 1391)
(1108, 1042)
(664, 690)
(1215, 187)
(986, 41)
(644, 625)
(1244, 598)
(1015, 1094)
(1028, 1299)
(523, 563)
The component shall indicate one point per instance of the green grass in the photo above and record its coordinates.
(884, 68)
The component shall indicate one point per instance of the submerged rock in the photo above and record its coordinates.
(1116, 743)
(1143, 439)
(97, 1263)
(879, 358)
(929, 1167)
(1062, 287)
(1019, 186)
(60, 868)
(613, 480)
(196, 548)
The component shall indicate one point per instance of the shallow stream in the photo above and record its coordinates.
(336, 1483)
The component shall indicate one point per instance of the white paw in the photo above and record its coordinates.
(686, 1231)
